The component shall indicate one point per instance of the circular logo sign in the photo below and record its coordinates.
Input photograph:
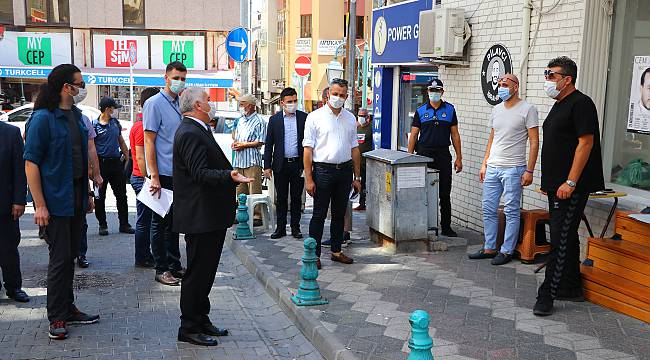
(496, 63)
(377, 79)
(380, 36)
(302, 66)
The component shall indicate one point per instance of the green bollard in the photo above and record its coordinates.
(309, 292)
(243, 231)
(420, 342)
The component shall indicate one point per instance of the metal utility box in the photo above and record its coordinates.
(402, 199)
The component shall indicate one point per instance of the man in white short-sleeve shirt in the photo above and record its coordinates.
(505, 170)
(331, 156)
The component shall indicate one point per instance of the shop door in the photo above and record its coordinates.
(412, 94)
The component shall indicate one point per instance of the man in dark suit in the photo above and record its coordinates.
(204, 193)
(13, 189)
(283, 158)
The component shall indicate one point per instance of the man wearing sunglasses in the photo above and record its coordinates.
(571, 169)
(513, 123)
(434, 124)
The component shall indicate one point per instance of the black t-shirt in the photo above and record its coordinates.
(569, 119)
(75, 136)
(435, 125)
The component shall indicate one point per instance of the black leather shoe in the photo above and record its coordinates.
(278, 233)
(449, 233)
(103, 231)
(296, 233)
(127, 229)
(482, 254)
(197, 339)
(82, 262)
(212, 330)
(543, 307)
(257, 222)
(18, 295)
(502, 259)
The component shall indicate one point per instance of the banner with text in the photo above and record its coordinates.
(328, 47)
(35, 49)
(303, 46)
(190, 50)
(112, 51)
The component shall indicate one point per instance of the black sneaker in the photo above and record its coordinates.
(482, 254)
(18, 295)
(449, 233)
(543, 307)
(502, 259)
(127, 229)
(103, 231)
(79, 318)
(82, 262)
(58, 330)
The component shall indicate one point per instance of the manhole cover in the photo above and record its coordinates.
(91, 280)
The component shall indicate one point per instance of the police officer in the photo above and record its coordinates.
(434, 124)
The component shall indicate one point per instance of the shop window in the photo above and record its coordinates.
(133, 13)
(6, 12)
(281, 30)
(48, 12)
(305, 26)
(626, 137)
(412, 93)
(359, 27)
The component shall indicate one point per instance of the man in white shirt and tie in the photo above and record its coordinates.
(331, 158)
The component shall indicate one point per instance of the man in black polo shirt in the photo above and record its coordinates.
(434, 123)
(571, 169)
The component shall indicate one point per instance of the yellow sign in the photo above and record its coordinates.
(388, 181)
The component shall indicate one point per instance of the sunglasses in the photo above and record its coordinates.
(551, 73)
(82, 85)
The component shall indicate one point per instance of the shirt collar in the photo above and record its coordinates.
(200, 122)
(284, 114)
(168, 97)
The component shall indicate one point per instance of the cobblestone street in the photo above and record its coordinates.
(140, 317)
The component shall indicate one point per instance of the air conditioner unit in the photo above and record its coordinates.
(443, 33)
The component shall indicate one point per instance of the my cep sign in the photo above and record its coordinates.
(182, 51)
(35, 51)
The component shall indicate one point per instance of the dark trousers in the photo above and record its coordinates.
(112, 171)
(9, 257)
(362, 196)
(563, 265)
(441, 162)
(203, 255)
(331, 185)
(142, 224)
(83, 239)
(62, 236)
(287, 182)
(164, 242)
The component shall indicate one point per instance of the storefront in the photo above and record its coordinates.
(610, 43)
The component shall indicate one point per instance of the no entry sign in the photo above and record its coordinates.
(302, 66)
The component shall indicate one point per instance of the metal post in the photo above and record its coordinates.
(351, 54)
(364, 77)
(131, 89)
(22, 93)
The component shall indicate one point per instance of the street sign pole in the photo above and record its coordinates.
(133, 58)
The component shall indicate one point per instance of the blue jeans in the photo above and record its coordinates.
(142, 225)
(164, 242)
(507, 182)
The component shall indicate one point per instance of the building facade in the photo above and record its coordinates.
(609, 40)
(100, 36)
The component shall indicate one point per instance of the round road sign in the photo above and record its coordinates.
(302, 66)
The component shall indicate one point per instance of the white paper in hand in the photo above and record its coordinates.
(160, 205)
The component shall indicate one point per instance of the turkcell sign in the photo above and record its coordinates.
(396, 31)
(27, 73)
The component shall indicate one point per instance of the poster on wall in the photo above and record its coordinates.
(112, 51)
(303, 46)
(328, 47)
(190, 50)
(638, 120)
(496, 63)
(35, 49)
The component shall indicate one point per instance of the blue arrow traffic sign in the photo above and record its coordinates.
(237, 44)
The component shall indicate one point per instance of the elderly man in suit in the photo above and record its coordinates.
(204, 193)
(283, 158)
(13, 189)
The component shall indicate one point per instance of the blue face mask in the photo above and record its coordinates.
(177, 86)
(504, 93)
(435, 96)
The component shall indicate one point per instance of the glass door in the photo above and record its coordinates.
(412, 93)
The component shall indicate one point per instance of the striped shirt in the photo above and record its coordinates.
(290, 136)
(249, 129)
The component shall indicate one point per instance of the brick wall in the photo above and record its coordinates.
(501, 21)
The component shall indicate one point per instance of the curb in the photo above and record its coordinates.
(323, 340)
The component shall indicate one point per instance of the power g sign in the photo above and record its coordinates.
(25, 49)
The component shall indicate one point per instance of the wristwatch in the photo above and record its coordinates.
(571, 183)
(357, 178)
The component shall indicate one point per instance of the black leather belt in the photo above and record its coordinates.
(293, 159)
(335, 166)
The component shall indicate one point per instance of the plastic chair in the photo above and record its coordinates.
(267, 214)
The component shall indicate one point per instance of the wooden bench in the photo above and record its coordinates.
(616, 273)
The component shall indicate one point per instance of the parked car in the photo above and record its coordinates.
(19, 116)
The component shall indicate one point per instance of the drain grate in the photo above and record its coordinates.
(91, 280)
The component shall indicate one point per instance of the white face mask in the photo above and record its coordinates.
(81, 95)
(362, 120)
(243, 112)
(336, 101)
(550, 88)
(213, 110)
(291, 108)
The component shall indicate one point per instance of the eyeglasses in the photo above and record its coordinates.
(340, 82)
(550, 73)
(82, 85)
(504, 79)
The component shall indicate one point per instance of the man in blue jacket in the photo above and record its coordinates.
(13, 188)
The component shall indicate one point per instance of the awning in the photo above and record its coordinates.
(206, 79)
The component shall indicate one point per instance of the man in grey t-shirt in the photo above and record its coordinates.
(505, 170)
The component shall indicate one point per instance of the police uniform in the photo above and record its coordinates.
(434, 140)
